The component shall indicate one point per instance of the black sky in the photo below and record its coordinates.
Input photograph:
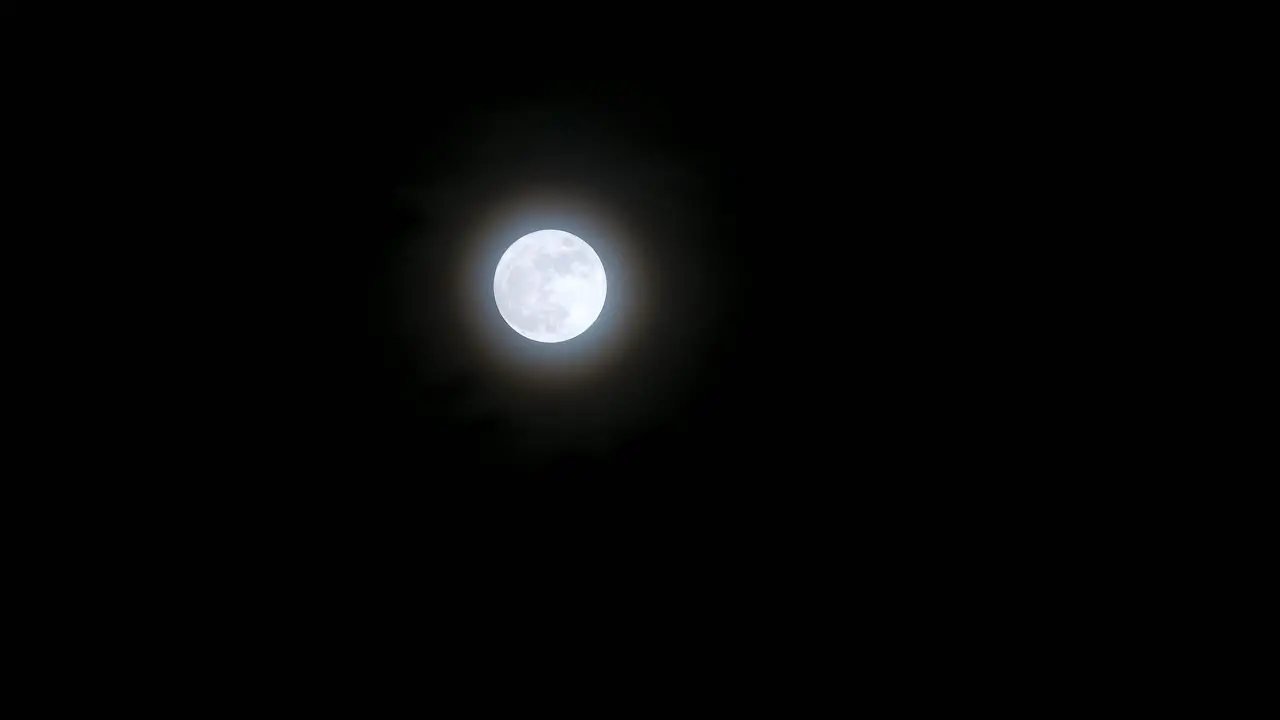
(827, 381)
(819, 239)
(402, 207)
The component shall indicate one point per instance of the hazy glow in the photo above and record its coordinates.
(550, 286)
(643, 212)
(451, 294)
(631, 358)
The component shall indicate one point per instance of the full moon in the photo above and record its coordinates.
(549, 286)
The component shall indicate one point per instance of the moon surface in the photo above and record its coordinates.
(550, 286)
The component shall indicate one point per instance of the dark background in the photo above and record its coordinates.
(845, 225)
(840, 390)
(833, 243)
(839, 223)
(814, 405)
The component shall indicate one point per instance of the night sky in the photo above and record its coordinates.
(794, 314)
(674, 380)
(813, 374)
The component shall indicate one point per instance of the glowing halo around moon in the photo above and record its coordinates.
(570, 366)
(452, 303)
(550, 286)
(634, 348)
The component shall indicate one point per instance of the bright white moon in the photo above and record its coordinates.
(550, 286)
